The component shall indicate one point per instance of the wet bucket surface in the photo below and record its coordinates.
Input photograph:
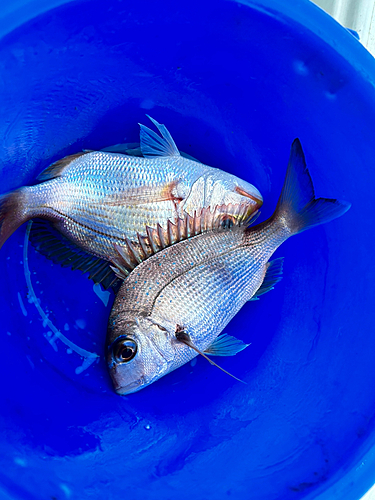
(235, 83)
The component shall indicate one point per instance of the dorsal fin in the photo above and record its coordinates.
(53, 245)
(130, 255)
(134, 149)
(153, 144)
(126, 148)
(58, 168)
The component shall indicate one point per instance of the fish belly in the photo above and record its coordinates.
(97, 232)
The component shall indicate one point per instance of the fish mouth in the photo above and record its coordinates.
(129, 388)
(256, 197)
(235, 213)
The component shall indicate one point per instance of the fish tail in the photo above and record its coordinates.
(12, 213)
(297, 208)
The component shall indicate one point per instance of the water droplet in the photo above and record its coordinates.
(81, 323)
(147, 104)
(66, 490)
(300, 67)
(330, 95)
(20, 461)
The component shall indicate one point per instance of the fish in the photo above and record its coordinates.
(176, 304)
(91, 201)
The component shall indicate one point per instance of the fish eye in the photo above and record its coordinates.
(124, 350)
(227, 221)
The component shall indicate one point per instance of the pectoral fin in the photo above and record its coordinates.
(144, 194)
(184, 337)
(226, 345)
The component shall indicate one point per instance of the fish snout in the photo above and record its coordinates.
(121, 383)
(128, 389)
(235, 194)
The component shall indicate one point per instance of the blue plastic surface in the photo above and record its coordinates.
(235, 83)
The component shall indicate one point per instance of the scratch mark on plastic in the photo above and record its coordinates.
(89, 357)
(24, 312)
(66, 490)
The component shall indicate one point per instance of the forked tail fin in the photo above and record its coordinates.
(12, 214)
(297, 206)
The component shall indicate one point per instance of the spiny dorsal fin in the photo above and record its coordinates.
(153, 144)
(160, 233)
(152, 239)
(129, 256)
(273, 275)
(143, 248)
(58, 168)
(134, 252)
(120, 271)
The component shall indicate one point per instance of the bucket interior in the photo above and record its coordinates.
(235, 83)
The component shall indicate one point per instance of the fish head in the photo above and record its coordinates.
(225, 192)
(140, 355)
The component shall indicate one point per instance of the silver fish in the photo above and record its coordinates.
(96, 200)
(176, 304)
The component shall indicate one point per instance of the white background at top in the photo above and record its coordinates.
(358, 15)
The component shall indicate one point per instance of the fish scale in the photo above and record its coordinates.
(201, 285)
(175, 304)
(140, 293)
(94, 200)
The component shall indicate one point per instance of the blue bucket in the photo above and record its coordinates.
(235, 82)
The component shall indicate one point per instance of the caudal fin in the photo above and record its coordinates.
(297, 206)
(11, 214)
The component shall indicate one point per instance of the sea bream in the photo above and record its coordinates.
(96, 200)
(176, 304)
